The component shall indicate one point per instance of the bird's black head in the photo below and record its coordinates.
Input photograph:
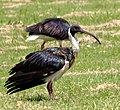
(76, 28)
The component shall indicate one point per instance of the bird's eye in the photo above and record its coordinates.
(76, 28)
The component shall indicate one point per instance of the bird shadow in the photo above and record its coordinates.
(36, 98)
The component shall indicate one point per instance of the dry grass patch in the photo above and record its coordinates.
(21, 0)
(29, 106)
(12, 5)
(2, 52)
(110, 1)
(118, 62)
(7, 37)
(1, 94)
(87, 40)
(9, 28)
(66, 2)
(116, 33)
(3, 78)
(5, 28)
(21, 47)
(113, 32)
(110, 24)
(56, 2)
(80, 13)
(8, 41)
(85, 13)
(3, 64)
(106, 86)
(10, 13)
(101, 28)
(108, 71)
(15, 3)
(104, 32)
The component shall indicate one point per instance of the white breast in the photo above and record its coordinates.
(58, 74)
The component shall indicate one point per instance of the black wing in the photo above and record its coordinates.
(54, 27)
(33, 71)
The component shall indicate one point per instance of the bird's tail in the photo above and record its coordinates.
(32, 37)
(21, 81)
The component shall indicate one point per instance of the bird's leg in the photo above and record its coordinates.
(60, 43)
(50, 90)
(42, 46)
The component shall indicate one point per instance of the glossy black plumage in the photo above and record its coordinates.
(52, 27)
(36, 67)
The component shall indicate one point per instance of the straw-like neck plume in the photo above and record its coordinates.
(73, 40)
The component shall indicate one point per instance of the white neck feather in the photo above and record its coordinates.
(75, 45)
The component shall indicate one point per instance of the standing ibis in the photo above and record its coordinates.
(41, 67)
(52, 29)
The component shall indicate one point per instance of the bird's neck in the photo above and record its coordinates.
(72, 33)
(74, 42)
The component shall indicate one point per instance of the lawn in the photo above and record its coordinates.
(93, 82)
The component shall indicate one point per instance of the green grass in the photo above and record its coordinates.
(94, 79)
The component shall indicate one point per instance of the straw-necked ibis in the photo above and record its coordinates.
(53, 29)
(41, 67)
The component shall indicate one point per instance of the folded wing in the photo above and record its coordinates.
(53, 27)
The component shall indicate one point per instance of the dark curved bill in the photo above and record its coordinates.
(85, 32)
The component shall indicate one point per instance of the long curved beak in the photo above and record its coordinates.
(85, 32)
